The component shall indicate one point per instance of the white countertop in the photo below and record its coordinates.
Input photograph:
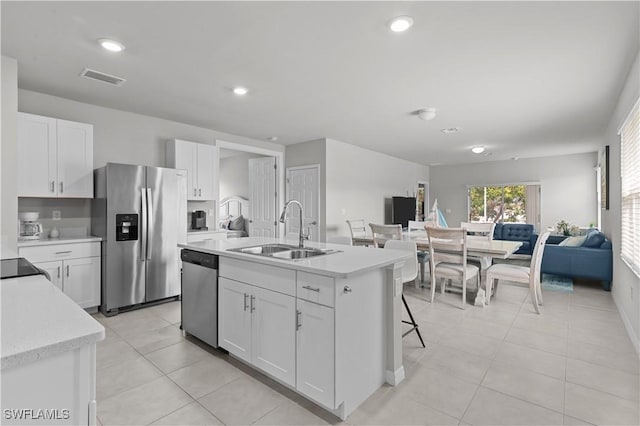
(196, 231)
(350, 260)
(51, 241)
(39, 321)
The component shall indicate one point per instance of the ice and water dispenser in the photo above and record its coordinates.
(126, 227)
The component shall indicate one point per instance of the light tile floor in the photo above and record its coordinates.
(497, 365)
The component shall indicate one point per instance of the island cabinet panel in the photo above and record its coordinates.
(258, 326)
(234, 318)
(269, 277)
(274, 334)
(315, 353)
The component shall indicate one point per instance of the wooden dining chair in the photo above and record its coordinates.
(357, 228)
(409, 273)
(383, 233)
(448, 259)
(520, 274)
(481, 231)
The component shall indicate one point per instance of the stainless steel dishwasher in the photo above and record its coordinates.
(200, 295)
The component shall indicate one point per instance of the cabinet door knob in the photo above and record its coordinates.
(253, 307)
(200, 192)
(298, 320)
(194, 192)
(67, 270)
(61, 187)
(347, 289)
(53, 186)
(58, 272)
(246, 306)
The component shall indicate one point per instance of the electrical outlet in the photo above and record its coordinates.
(56, 215)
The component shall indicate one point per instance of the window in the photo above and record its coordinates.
(630, 188)
(504, 203)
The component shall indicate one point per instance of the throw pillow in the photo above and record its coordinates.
(237, 224)
(573, 241)
(594, 239)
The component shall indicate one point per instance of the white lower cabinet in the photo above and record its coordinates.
(315, 354)
(274, 334)
(73, 268)
(258, 326)
(234, 318)
(261, 321)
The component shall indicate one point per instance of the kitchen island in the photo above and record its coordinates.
(48, 355)
(328, 327)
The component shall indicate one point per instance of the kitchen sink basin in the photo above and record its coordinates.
(283, 251)
(266, 250)
(300, 253)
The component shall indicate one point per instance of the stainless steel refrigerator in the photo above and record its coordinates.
(140, 212)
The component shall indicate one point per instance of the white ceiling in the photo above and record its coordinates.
(524, 79)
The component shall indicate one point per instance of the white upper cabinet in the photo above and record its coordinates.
(198, 160)
(55, 157)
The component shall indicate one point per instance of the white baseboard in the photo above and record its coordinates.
(394, 377)
(627, 325)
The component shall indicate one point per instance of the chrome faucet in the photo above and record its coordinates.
(302, 236)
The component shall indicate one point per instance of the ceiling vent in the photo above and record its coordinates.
(100, 76)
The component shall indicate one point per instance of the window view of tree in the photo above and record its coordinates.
(498, 204)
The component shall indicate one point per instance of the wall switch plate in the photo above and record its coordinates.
(56, 215)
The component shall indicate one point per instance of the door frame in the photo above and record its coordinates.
(319, 200)
(280, 175)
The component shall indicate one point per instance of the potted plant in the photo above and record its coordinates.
(565, 228)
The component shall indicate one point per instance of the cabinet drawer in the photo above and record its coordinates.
(265, 276)
(316, 288)
(59, 251)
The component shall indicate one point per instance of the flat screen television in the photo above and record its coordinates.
(403, 209)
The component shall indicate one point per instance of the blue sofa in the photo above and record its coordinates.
(517, 232)
(593, 260)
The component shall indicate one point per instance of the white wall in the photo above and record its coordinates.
(568, 186)
(8, 155)
(360, 182)
(126, 137)
(234, 175)
(626, 285)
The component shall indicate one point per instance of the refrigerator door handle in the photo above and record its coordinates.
(149, 221)
(143, 219)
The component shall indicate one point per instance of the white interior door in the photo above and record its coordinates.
(262, 197)
(303, 184)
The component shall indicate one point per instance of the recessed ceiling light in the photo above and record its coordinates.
(240, 90)
(477, 149)
(400, 24)
(111, 45)
(272, 138)
(450, 130)
(427, 114)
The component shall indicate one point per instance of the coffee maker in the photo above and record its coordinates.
(199, 220)
(30, 228)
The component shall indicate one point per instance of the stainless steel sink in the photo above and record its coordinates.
(266, 250)
(300, 253)
(283, 251)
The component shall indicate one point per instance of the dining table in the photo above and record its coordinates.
(477, 247)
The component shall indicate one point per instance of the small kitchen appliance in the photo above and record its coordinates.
(199, 220)
(30, 228)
